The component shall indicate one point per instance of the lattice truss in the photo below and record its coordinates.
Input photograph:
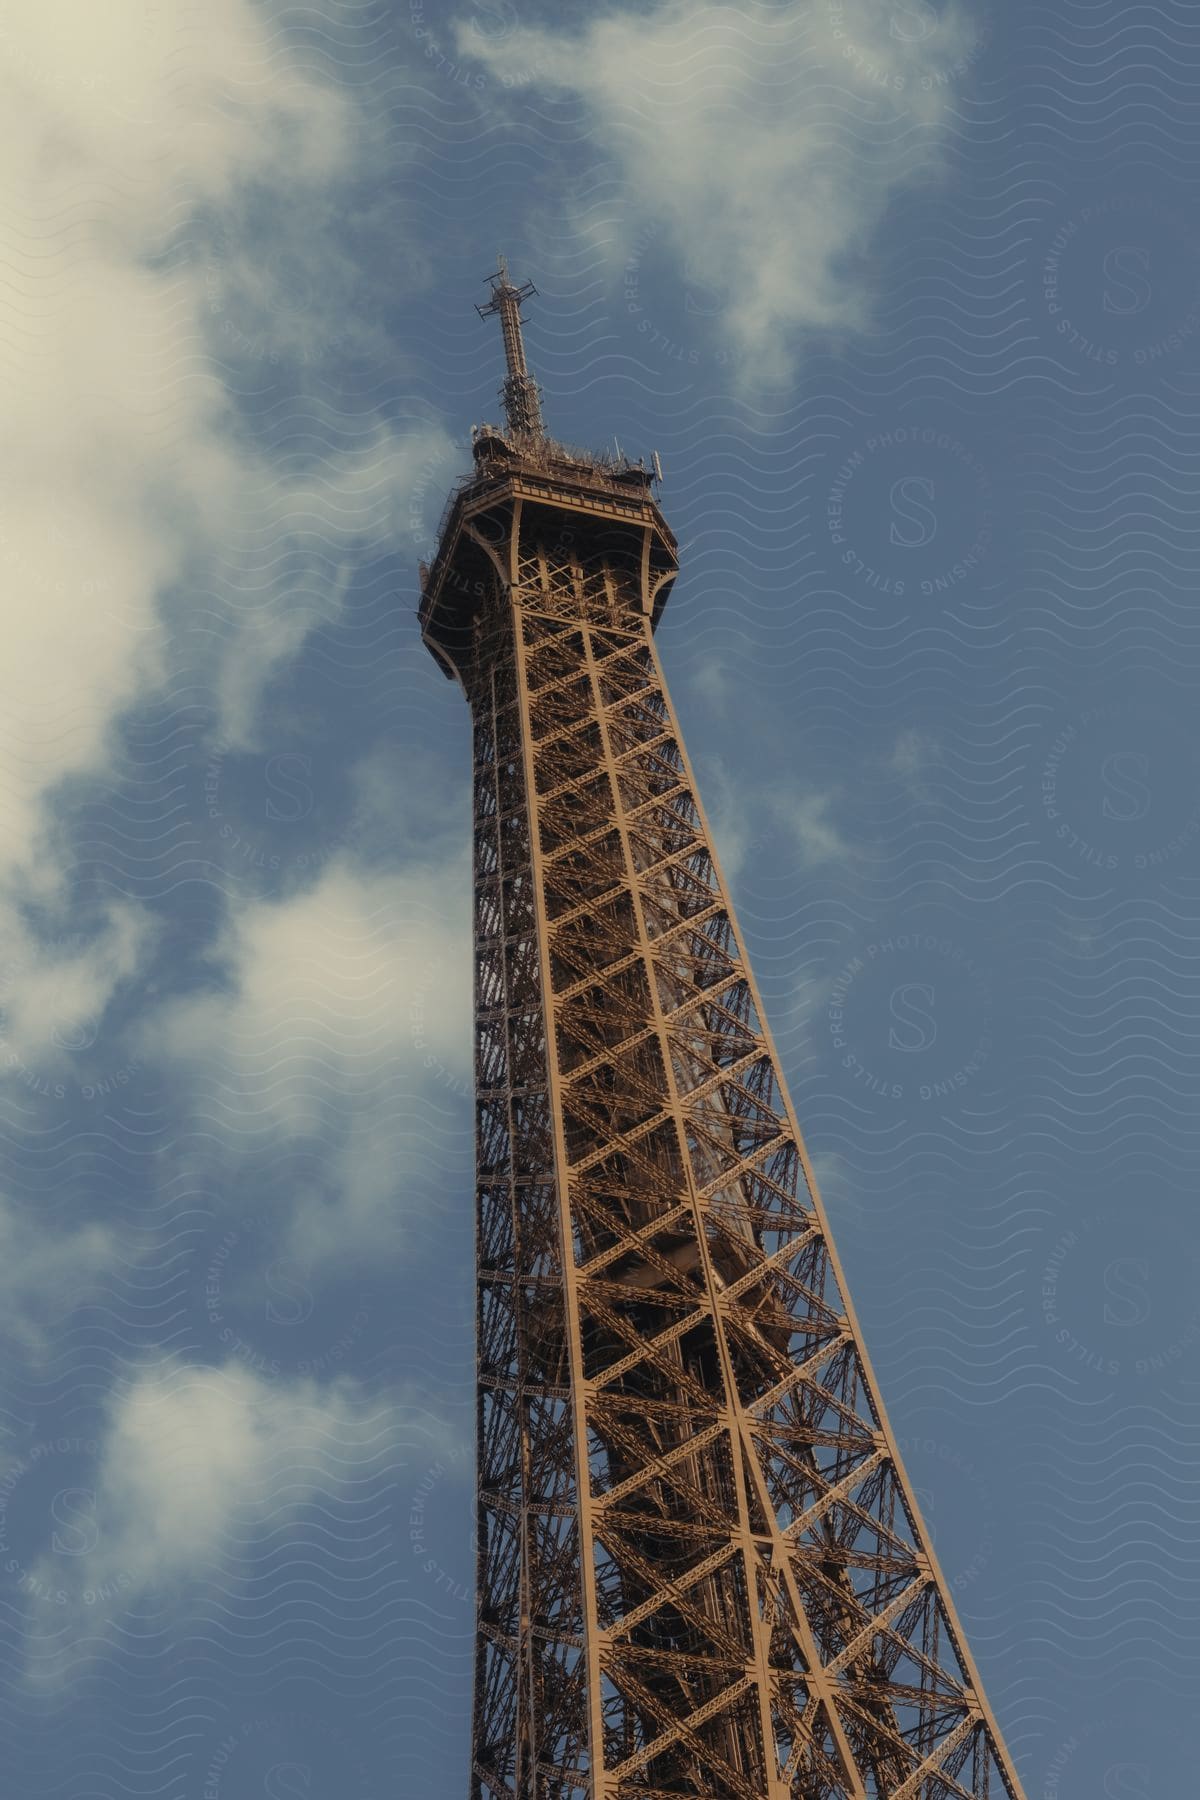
(701, 1571)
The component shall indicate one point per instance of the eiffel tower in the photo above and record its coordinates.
(701, 1568)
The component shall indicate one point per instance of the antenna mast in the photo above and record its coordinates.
(520, 393)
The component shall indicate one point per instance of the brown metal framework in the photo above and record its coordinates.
(701, 1568)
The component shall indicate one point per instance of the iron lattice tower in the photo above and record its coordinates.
(701, 1569)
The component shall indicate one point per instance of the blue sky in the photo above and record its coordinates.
(907, 298)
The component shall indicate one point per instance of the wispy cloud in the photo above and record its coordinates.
(168, 216)
(190, 1464)
(118, 125)
(740, 132)
(338, 1010)
(169, 185)
(782, 812)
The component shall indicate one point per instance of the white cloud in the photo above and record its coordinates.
(188, 1450)
(715, 686)
(54, 994)
(840, 1187)
(282, 537)
(162, 169)
(326, 985)
(746, 820)
(914, 759)
(46, 1270)
(190, 1462)
(730, 818)
(115, 123)
(348, 1014)
(754, 134)
(167, 175)
(806, 820)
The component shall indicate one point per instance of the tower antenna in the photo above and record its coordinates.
(520, 394)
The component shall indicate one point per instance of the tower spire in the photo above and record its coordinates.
(520, 392)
